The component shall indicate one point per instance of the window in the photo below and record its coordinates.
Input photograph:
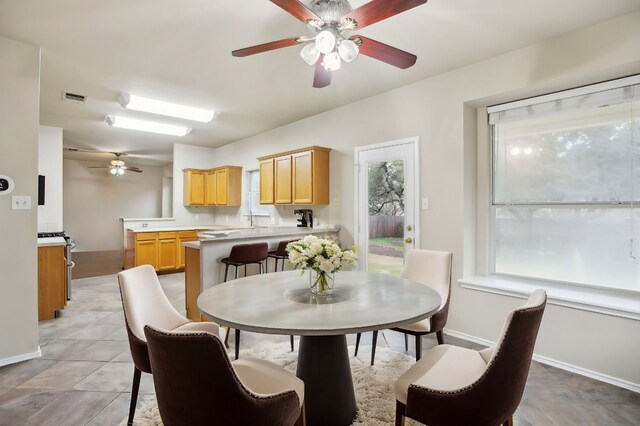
(253, 184)
(565, 202)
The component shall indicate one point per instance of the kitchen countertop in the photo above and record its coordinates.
(241, 234)
(137, 229)
(51, 241)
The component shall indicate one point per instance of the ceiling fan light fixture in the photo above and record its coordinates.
(325, 41)
(139, 103)
(348, 50)
(332, 61)
(330, 10)
(113, 171)
(119, 171)
(146, 126)
(310, 54)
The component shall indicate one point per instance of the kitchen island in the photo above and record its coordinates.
(202, 258)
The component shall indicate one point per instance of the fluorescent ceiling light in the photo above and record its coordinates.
(153, 106)
(146, 126)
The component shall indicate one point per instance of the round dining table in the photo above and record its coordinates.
(281, 303)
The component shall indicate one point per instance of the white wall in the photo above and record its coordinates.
(95, 200)
(441, 111)
(19, 79)
(50, 166)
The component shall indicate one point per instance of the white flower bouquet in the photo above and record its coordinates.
(324, 256)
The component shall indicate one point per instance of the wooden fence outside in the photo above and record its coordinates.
(382, 226)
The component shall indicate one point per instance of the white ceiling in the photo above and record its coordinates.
(180, 51)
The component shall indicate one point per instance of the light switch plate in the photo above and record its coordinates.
(425, 204)
(21, 202)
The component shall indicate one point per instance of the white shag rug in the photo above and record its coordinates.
(373, 384)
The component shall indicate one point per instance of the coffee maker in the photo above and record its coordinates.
(305, 218)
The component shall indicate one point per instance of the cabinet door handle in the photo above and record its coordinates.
(409, 228)
(408, 240)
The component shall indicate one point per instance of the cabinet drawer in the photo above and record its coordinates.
(188, 234)
(167, 235)
(145, 236)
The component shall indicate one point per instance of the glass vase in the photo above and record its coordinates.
(320, 282)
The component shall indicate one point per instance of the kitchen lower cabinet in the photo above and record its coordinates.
(52, 286)
(162, 250)
(167, 251)
(183, 237)
(146, 252)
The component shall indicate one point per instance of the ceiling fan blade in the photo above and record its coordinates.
(322, 77)
(385, 53)
(298, 10)
(273, 45)
(99, 167)
(378, 10)
(131, 169)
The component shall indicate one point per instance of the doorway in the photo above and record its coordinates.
(386, 194)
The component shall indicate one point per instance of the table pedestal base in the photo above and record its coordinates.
(323, 365)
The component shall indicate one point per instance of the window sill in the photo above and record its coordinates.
(609, 302)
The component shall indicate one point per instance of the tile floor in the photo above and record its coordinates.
(84, 374)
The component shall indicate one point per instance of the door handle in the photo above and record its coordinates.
(408, 240)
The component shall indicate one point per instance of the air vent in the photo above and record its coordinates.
(72, 97)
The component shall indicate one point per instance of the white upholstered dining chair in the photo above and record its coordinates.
(145, 303)
(433, 269)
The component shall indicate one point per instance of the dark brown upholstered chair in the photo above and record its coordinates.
(144, 303)
(196, 384)
(280, 253)
(457, 386)
(243, 255)
(433, 269)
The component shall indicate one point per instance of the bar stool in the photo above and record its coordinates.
(246, 254)
(280, 254)
(243, 255)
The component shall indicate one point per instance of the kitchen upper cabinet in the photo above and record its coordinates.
(194, 187)
(296, 177)
(221, 186)
(266, 181)
(210, 192)
(282, 179)
(302, 186)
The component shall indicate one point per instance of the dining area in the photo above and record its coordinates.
(198, 380)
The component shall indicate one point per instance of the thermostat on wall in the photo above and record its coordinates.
(6, 185)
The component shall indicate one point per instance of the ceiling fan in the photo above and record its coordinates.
(331, 19)
(117, 167)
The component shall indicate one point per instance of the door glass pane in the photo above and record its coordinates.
(386, 216)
